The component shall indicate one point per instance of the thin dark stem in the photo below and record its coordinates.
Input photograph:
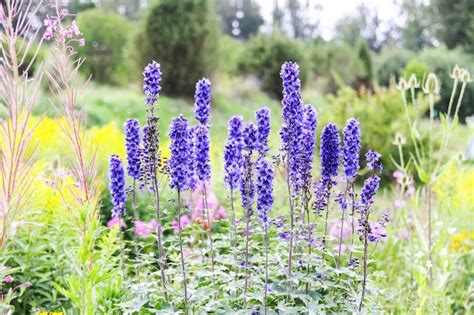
(266, 270)
(326, 219)
(135, 218)
(183, 270)
(158, 238)
(352, 194)
(310, 236)
(234, 226)
(364, 283)
(247, 236)
(290, 247)
(209, 233)
(342, 228)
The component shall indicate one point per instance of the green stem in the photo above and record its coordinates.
(183, 268)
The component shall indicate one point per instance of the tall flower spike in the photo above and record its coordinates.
(308, 145)
(235, 127)
(117, 185)
(265, 176)
(180, 147)
(132, 145)
(201, 145)
(351, 148)
(330, 152)
(367, 196)
(373, 161)
(150, 155)
(192, 165)
(247, 185)
(262, 117)
(151, 82)
(233, 163)
(202, 101)
(249, 136)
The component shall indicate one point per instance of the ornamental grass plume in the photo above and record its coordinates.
(264, 186)
(180, 147)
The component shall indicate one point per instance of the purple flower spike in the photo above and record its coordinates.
(201, 144)
(202, 101)
(262, 117)
(117, 185)
(330, 152)
(180, 148)
(151, 82)
(265, 177)
(351, 148)
(132, 144)
(249, 136)
(236, 125)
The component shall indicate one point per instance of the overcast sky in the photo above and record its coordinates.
(333, 10)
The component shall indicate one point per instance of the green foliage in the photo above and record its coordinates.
(364, 78)
(264, 56)
(182, 36)
(379, 114)
(416, 67)
(390, 62)
(106, 34)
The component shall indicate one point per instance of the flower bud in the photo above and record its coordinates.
(431, 84)
(402, 85)
(413, 82)
(399, 139)
(456, 73)
(465, 76)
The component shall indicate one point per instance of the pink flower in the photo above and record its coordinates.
(335, 229)
(220, 213)
(115, 221)
(343, 248)
(399, 203)
(184, 221)
(187, 251)
(143, 228)
(404, 234)
(8, 279)
(410, 191)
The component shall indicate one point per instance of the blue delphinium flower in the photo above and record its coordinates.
(233, 163)
(235, 127)
(193, 163)
(307, 146)
(351, 148)
(117, 185)
(249, 136)
(373, 162)
(150, 156)
(201, 144)
(151, 82)
(180, 147)
(132, 145)
(330, 152)
(262, 118)
(264, 187)
(202, 101)
(367, 196)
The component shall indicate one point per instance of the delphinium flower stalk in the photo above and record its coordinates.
(202, 110)
(247, 190)
(263, 120)
(290, 135)
(350, 156)
(330, 153)
(264, 187)
(118, 196)
(180, 147)
(132, 145)
(233, 163)
(308, 145)
(150, 158)
(367, 198)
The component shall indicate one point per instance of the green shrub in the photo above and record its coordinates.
(365, 75)
(416, 67)
(106, 34)
(264, 56)
(390, 62)
(183, 37)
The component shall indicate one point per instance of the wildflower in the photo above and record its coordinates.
(262, 117)
(265, 177)
(431, 85)
(8, 279)
(335, 229)
(180, 148)
(202, 101)
(399, 139)
(373, 163)
(193, 163)
(116, 220)
(117, 185)
(132, 144)
(330, 151)
(183, 222)
(247, 185)
(413, 82)
(456, 73)
(321, 193)
(465, 76)
(351, 148)
(354, 263)
(150, 154)
(402, 85)
(201, 145)
(144, 229)
(151, 82)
